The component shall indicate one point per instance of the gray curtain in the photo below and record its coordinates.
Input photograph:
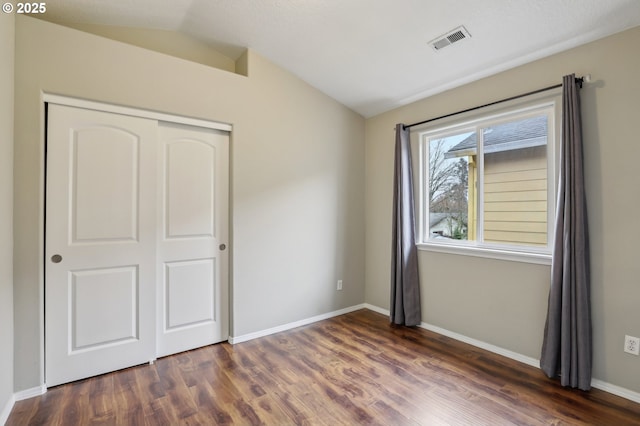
(405, 283)
(567, 344)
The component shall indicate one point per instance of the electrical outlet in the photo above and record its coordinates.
(632, 345)
(339, 285)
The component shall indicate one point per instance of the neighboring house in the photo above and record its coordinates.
(444, 224)
(515, 181)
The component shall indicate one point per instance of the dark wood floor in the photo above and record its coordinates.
(352, 369)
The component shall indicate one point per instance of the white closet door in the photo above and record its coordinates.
(192, 236)
(100, 244)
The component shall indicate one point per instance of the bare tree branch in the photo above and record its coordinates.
(448, 188)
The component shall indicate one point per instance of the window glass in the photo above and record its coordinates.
(488, 184)
(448, 189)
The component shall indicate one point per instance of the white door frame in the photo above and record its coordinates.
(124, 110)
(47, 98)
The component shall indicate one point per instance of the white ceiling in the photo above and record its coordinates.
(372, 55)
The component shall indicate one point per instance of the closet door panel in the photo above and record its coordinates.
(192, 255)
(100, 281)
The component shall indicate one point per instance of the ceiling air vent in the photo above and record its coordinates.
(449, 38)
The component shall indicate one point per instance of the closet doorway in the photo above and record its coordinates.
(136, 262)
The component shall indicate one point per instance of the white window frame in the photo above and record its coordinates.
(528, 254)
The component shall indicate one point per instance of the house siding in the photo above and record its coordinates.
(515, 191)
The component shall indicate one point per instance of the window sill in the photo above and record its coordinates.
(539, 258)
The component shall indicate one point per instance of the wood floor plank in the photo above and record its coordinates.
(349, 370)
(175, 388)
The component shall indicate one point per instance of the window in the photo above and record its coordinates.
(489, 183)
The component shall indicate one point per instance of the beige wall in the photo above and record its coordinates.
(169, 42)
(504, 303)
(6, 208)
(297, 174)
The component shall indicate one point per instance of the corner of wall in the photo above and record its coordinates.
(6, 410)
(7, 61)
(242, 64)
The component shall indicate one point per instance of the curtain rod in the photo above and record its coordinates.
(579, 81)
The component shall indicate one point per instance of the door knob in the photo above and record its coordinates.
(222, 246)
(56, 258)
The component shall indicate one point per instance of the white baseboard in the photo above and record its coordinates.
(30, 393)
(483, 345)
(6, 411)
(598, 384)
(377, 309)
(289, 326)
(19, 396)
(616, 390)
